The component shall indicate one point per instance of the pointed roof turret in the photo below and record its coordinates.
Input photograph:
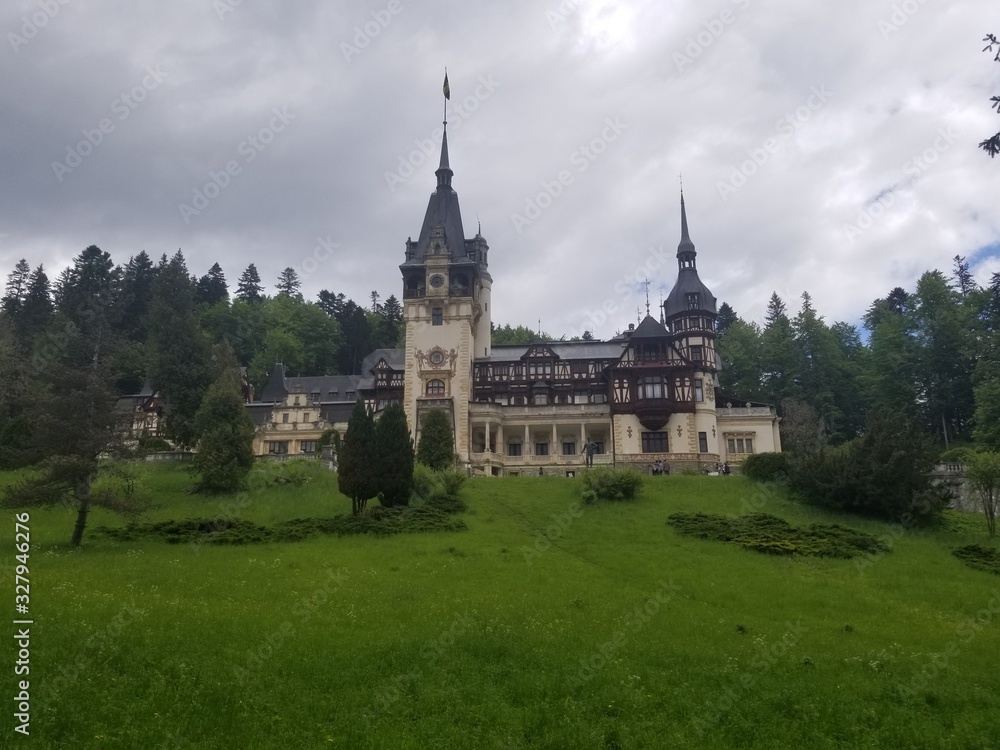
(689, 293)
(442, 232)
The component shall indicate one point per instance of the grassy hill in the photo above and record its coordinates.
(546, 624)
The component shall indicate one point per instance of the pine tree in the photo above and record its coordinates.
(249, 288)
(357, 470)
(180, 366)
(289, 284)
(437, 446)
(16, 398)
(964, 282)
(225, 437)
(727, 316)
(212, 287)
(136, 291)
(394, 457)
(36, 312)
(90, 290)
(75, 424)
(17, 287)
(779, 357)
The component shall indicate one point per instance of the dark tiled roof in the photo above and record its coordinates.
(649, 328)
(278, 386)
(395, 358)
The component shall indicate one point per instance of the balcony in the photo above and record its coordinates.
(745, 411)
(548, 412)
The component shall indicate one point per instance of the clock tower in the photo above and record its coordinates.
(446, 309)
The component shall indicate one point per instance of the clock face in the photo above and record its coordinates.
(437, 280)
(436, 358)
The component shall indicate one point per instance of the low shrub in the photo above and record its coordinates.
(438, 489)
(761, 532)
(980, 558)
(606, 483)
(765, 467)
(377, 521)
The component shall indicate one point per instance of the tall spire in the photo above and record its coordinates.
(444, 173)
(686, 245)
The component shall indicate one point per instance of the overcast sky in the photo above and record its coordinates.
(824, 147)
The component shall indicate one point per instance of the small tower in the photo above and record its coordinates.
(446, 309)
(690, 315)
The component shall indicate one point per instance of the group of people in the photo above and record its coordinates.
(660, 467)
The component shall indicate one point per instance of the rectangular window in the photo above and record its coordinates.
(740, 445)
(297, 400)
(437, 316)
(651, 387)
(599, 398)
(696, 354)
(654, 442)
(569, 449)
(540, 399)
(541, 449)
(600, 447)
(284, 418)
(513, 449)
(308, 446)
(305, 417)
(699, 394)
(703, 442)
(279, 448)
(693, 301)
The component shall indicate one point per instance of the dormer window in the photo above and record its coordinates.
(693, 300)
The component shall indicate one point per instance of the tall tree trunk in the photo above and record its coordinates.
(82, 493)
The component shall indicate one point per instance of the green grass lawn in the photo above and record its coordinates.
(547, 624)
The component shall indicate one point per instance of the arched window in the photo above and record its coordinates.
(435, 388)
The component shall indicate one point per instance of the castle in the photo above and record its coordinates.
(650, 394)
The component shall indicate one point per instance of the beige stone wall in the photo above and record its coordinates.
(304, 425)
(455, 339)
(760, 424)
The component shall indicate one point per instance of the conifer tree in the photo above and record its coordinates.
(136, 291)
(180, 364)
(76, 425)
(17, 287)
(249, 288)
(437, 446)
(36, 312)
(357, 470)
(225, 437)
(288, 283)
(211, 288)
(394, 457)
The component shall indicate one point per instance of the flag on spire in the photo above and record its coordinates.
(447, 88)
